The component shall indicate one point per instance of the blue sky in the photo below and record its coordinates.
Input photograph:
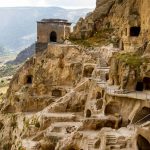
(44, 3)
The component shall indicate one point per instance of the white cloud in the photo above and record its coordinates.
(59, 3)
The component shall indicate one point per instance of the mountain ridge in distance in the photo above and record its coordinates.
(18, 29)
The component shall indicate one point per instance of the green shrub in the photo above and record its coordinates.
(131, 59)
(99, 38)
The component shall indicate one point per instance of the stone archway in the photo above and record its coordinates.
(56, 93)
(142, 143)
(53, 36)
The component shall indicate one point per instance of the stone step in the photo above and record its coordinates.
(48, 118)
(30, 145)
(111, 140)
(63, 127)
(55, 134)
(91, 144)
(115, 147)
(110, 136)
(59, 115)
(65, 124)
(103, 68)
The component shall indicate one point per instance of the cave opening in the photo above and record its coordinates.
(88, 71)
(99, 104)
(1, 125)
(139, 86)
(146, 82)
(29, 79)
(97, 144)
(99, 126)
(88, 113)
(57, 93)
(107, 76)
(103, 91)
(98, 95)
(121, 45)
(142, 143)
(110, 124)
(71, 148)
(112, 109)
(135, 31)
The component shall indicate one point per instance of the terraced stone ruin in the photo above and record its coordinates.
(76, 97)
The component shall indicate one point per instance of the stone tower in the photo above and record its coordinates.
(51, 30)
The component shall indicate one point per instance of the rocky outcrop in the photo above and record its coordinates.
(127, 71)
(62, 99)
(130, 29)
(86, 28)
(103, 8)
(68, 97)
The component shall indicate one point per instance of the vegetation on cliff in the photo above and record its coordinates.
(8, 70)
(131, 59)
(99, 38)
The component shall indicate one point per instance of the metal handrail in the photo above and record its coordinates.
(142, 119)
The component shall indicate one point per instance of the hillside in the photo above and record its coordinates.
(89, 93)
(23, 55)
(18, 29)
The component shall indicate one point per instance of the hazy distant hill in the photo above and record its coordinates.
(18, 25)
(23, 55)
(4, 51)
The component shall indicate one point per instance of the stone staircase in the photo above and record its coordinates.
(59, 117)
(91, 144)
(115, 143)
(102, 63)
(111, 142)
(111, 139)
(63, 126)
(30, 145)
(56, 130)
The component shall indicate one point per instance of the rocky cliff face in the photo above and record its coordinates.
(127, 19)
(94, 21)
(128, 30)
(127, 69)
(65, 94)
(70, 97)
